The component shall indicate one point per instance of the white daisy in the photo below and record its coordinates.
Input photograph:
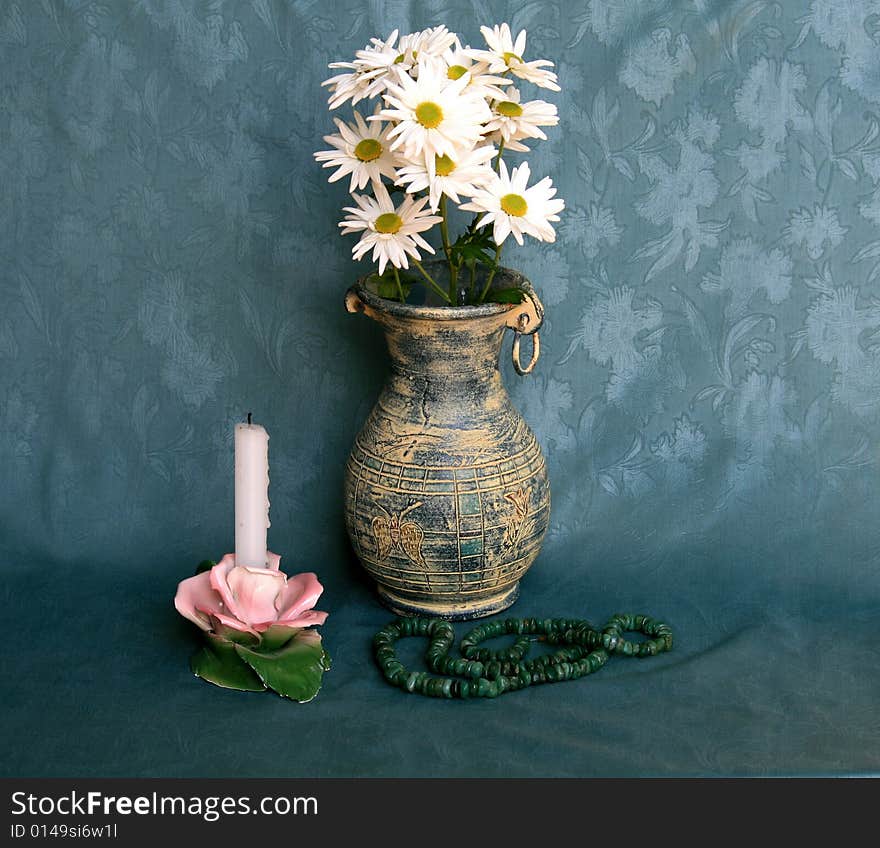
(515, 121)
(362, 150)
(433, 115)
(354, 86)
(510, 144)
(385, 61)
(369, 70)
(452, 177)
(512, 207)
(459, 62)
(434, 41)
(505, 54)
(379, 57)
(392, 232)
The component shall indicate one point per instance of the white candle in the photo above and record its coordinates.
(251, 494)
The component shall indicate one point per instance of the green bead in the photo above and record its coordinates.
(434, 687)
(610, 641)
(583, 650)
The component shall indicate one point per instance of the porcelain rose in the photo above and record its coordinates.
(257, 601)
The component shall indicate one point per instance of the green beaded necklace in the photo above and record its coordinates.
(490, 673)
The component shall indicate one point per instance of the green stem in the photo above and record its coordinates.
(473, 285)
(399, 286)
(432, 281)
(444, 228)
(444, 234)
(491, 274)
(498, 157)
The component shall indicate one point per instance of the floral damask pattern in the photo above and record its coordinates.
(712, 345)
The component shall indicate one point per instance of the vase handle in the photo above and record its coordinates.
(525, 319)
(353, 303)
(536, 352)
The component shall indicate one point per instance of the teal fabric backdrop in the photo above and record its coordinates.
(708, 395)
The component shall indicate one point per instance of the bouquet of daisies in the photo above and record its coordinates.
(443, 118)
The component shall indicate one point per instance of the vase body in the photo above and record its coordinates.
(446, 492)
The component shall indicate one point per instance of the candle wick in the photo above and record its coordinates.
(250, 417)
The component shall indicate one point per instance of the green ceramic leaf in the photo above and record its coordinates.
(218, 663)
(296, 670)
(274, 638)
(204, 565)
(230, 634)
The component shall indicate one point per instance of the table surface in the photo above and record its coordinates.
(98, 684)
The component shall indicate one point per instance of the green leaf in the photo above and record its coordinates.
(388, 289)
(204, 565)
(385, 286)
(506, 296)
(218, 663)
(481, 238)
(296, 670)
(372, 281)
(474, 253)
(475, 247)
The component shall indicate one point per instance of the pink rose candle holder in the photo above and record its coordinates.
(258, 626)
(258, 622)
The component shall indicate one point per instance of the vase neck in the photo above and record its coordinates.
(453, 351)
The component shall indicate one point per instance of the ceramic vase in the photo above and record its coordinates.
(446, 492)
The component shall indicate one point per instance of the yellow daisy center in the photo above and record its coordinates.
(402, 57)
(388, 223)
(509, 109)
(443, 165)
(429, 114)
(510, 58)
(514, 204)
(368, 149)
(456, 72)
